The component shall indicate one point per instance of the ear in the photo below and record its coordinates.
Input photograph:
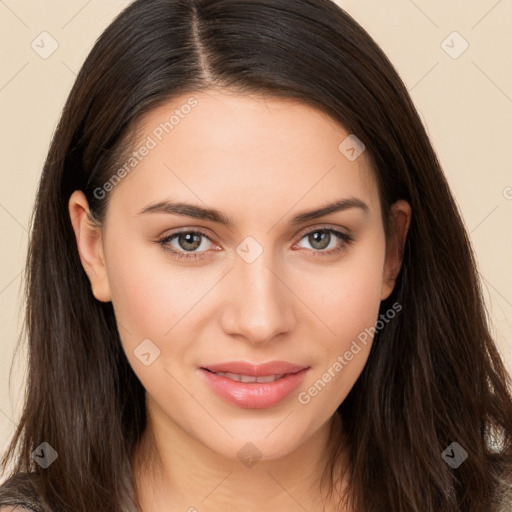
(89, 243)
(400, 220)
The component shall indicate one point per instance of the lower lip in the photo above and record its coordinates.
(254, 395)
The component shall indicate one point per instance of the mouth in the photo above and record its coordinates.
(248, 378)
(249, 369)
(248, 388)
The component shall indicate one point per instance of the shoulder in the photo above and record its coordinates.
(14, 508)
(19, 493)
(506, 503)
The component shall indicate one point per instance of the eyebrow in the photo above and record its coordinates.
(213, 215)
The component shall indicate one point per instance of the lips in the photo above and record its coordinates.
(254, 386)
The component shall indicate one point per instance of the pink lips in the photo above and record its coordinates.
(254, 395)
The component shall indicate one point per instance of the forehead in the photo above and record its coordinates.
(253, 151)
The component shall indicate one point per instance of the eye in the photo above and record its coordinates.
(321, 239)
(187, 243)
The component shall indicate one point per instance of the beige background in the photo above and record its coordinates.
(465, 103)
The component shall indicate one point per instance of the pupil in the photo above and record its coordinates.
(317, 240)
(188, 238)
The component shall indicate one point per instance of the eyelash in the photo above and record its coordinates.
(181, 255)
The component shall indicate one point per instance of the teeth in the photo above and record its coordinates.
(249, 378)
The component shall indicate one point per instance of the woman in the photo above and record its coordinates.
(198, 328)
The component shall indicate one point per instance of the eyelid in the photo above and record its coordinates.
(300, 234)
(191, 229)
(164, 241)
(319, 227)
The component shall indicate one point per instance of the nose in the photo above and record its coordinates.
(260, 303)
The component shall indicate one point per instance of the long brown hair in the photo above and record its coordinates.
(434, 375)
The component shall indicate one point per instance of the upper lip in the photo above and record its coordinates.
(254, 369)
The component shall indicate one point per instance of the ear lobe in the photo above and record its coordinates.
(400, 221)
(89, 244)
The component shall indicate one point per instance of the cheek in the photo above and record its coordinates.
(346, 295)
(151, 301)
(148, 297)
(346, 298)
(139, 304)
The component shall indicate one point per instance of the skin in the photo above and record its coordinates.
(260, 161)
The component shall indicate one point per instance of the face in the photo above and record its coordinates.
(240, 272)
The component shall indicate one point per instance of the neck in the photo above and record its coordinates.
(173, 471)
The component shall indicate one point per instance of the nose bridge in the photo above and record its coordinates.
(260, 302)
